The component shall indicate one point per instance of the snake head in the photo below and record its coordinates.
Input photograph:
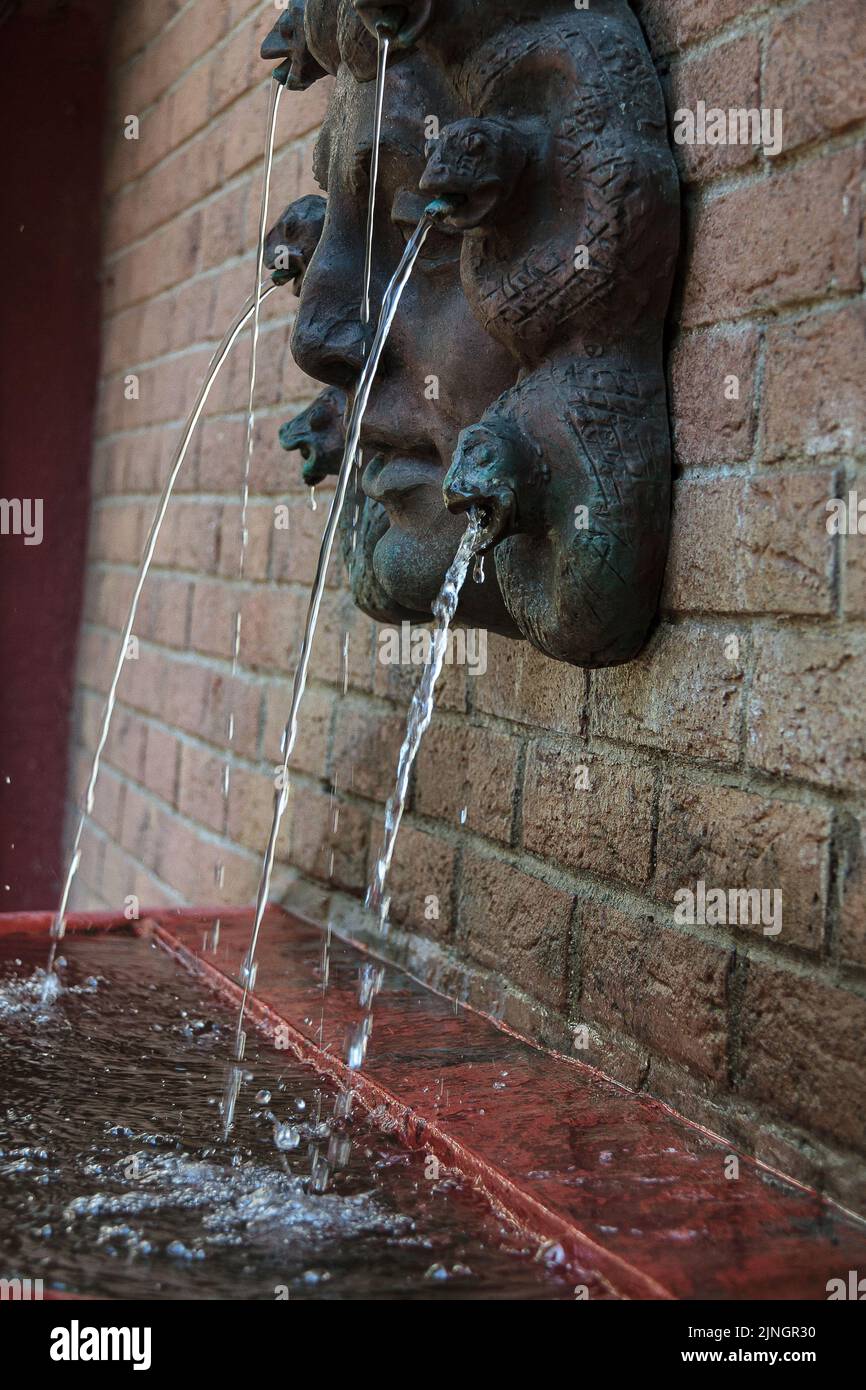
(484, 476)
(318, 436)
(287, 41)
(293, 239)
(403, 23)
(474, 165)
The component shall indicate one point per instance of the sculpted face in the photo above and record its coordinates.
(440, 369)
(524, 375)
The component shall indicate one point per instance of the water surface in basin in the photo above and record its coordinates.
(115, 1180)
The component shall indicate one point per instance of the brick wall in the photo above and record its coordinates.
(733, 751)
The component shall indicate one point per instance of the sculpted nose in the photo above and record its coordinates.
(329, 341)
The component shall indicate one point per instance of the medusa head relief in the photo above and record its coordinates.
(524, 373)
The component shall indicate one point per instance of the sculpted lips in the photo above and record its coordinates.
(391, 475)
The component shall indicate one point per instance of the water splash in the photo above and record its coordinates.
(421, 713)
(390, 305)
(58, 927)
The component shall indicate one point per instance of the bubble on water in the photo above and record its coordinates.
(551, 1254)
(179, 1251)
(286, 1137)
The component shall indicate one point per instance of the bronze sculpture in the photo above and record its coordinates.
(525, 372)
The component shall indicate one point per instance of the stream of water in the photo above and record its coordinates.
(420, 716)
(421, 713)
(59, 924)
(390, 305)
(249, 442)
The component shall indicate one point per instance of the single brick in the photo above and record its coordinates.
(214, 618)
(731, 838)
(251, 809)
(524, 685)
(672, 24)
(587, 813)
(468, 776)
(727, 78)
(201, 787)
(802, 1052)
(791, 237)
(807, 717)
(365, 751)
(756, 545)
(126, 743)
(197, 699)
(422, 873)
(311, 748)
(271, 629)
(656, 985)
(517, 926)
(815, 402)
(297, 539)
(332, 855)
(712, 376)
(257, 554)
(164, 611)
(397, 682)
(343, 643)
(813, 69)
(161, 760)
(683, 694)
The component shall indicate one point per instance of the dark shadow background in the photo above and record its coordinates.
(52, 120)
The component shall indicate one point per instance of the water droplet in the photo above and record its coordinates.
(320, 1174)
(286, 1137)
(313, 503)
(263, 1097)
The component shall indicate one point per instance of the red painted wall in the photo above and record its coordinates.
(52, 119)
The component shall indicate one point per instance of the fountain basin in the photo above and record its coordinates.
(625, 1198)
